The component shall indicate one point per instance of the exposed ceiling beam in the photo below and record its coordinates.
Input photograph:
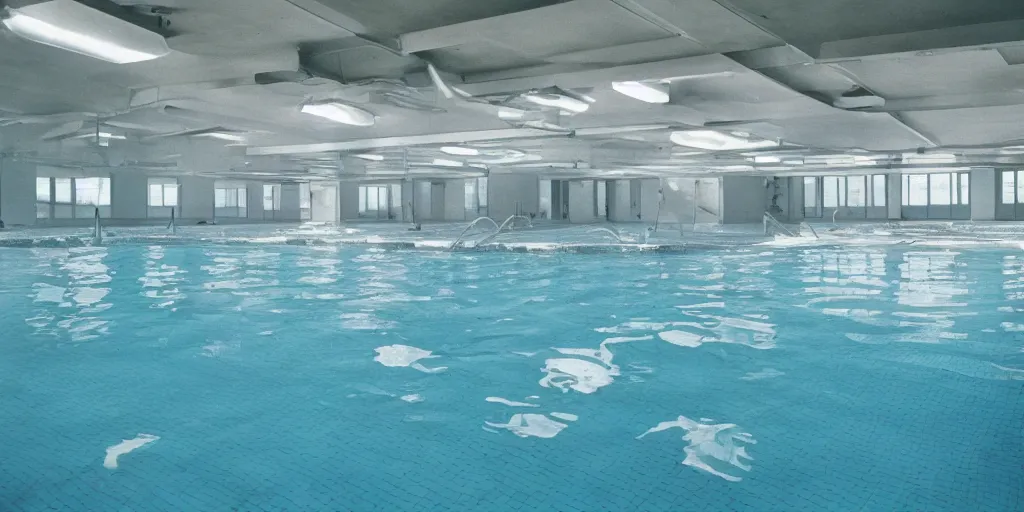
(925, 42)
(396, 142)
(346, 23)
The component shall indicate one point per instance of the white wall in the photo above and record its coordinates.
(505, 190)
(983, 194)
(650, 198)
(17, 192)
(581, 202)
(254, 200)
(742, 199)
(129, 194)
(195, 197)
(348, 200)
(618, 201)
(454, 200)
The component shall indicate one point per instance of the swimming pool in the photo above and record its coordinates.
(214, 377)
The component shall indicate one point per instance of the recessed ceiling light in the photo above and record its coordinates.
(718, 141)
(929, 158)
(459, 151)
(446, 163)
(340, 113)
(557, 101)
(370, 156)
(223, 136)
(648, 92)
(72, 26)
(766, 159)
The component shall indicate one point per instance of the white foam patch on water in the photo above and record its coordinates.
(531, 425)
(124, 447)
(405, 356)
(510, 403)
(49, 293)
(565, 416)
(412, 399)
(767, 373)
(712, 448)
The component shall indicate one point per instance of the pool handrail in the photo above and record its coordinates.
(511, 219)
(458, 240)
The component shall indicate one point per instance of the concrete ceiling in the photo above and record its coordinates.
(950, 74)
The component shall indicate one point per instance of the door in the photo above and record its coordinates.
(437, 201)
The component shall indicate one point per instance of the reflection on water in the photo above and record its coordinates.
(839, 347)
(79, 299)
(712, 448)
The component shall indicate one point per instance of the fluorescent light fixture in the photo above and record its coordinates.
(718, 141)
(557, 101)
(611, 130)
(72, 26)
(510, 113)
(766, 159)
(459, 151)
(1012, 150)
(370, 156)
(340, 113)
(441, 162)
(648, 92)
(102, 135)
(223, 136)
(478, 166)
(929, 158)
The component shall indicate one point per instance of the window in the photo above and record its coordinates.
(1012, 187)
(272, 197)
(305, 207)
(878, 190)
(600, 199)
(230, 199)
(162, 197)
(43, 198)
(810, 192)
(856, 191)
(830, 191)
(70, 198)
(470, 196)
(373, 201)
(163, 192)
(936, 189)
(481, 191)
(92, 191)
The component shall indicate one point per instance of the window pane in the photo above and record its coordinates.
(362, 199)
(965, 188)
(857, 191)
(220, 198)
(104, 192)
(842, 191)
(1009, 185)
(303, 195)
(382, 198)
(87, 191)
(481, 191)
(470, 195)
(905, 189)
(810, 192)
(171, 194)
(830, 188)
(878, 190)
(63, 190)
(371, 199)
(243, 201)
(940, 187)
(917, 187)
(156, 194)
(1020, 186)
(43, 189)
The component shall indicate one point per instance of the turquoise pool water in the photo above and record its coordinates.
(234, 378)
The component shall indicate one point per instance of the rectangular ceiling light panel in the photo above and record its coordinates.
(74, 27)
